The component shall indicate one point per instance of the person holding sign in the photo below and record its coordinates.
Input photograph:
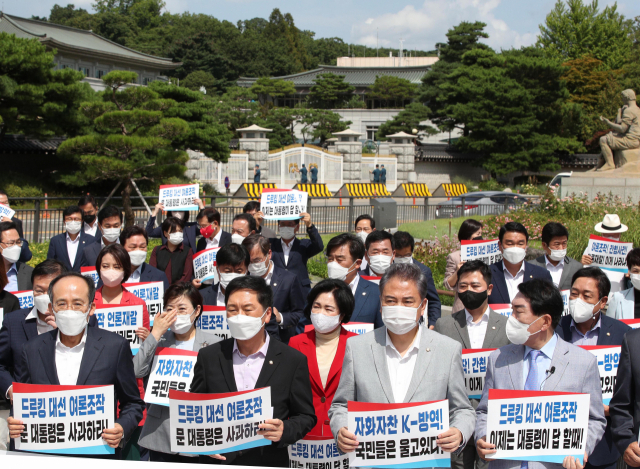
(212, 235)
(18, 273)
(253, 208)
(25, 253)
(69, 246)
(623, 303)
(555, 238)
(243, 225)
(403, 362)
(232, 261)
(250, 360)
(134, 240)
(469, 230)
(174, 258)
(110, 223)
(588, 326)
(611, 228)
(191, 229)
(74, 354)
(175, 329)
(539, 360)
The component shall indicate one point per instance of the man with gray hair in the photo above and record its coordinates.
(626, 132)
(412, 363)
(74, 354)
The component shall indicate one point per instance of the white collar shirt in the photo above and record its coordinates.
(215, 242)
(246, 370)
(513, 282)
(68, 360)
(477, 330)
(286, 249)
(72, 248)
(354, 284)
(269, 274)
(117, 241)
(135, 275)
(554, 270)
(91, 229)
(220, 298)
(401, 368)
(40, 324)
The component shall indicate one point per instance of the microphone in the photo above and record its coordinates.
(548, 373)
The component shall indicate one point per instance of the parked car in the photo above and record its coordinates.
(554, 184)
(480, 203)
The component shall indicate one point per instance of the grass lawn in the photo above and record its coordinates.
(430, 228)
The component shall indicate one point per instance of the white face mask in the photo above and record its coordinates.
(581, 311)
(635, 281)
(183, 323)
(517, 332)
(236, 238)
(403, 260)
(41, 302)
(337, 272)
(111, 234)
(12, 254)
(112, 277)
(287, 232)
(225, 279)
(362, 235)
(557, 254)
(380, 264)
(73, 227)
(399, 319)
(323, 323)
(514, 255)
(137, 257)
(258, 269)
(243, 327)
(176, 238)
(71, 323)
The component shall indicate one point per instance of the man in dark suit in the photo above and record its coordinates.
(191, 229)
(18, 273)
(288, 301)
(231, 261)
(25, 253)
(513, 269)
(213, 236)
(555, 238)
(89, 207)
(110, 223)
(291, 253)
(272, 364)
(68, 247)
(134, 240)
(101, 357)
(253, 208)
(587, 325)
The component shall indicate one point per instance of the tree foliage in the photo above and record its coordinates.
(392, 91)
(265, 87)
(330, 91)
(406, 120)
(198, 79)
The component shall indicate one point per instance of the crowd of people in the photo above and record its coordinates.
(289, 335)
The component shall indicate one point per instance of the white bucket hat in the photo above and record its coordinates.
(611, 224)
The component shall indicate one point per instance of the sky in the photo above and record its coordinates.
(421, 24)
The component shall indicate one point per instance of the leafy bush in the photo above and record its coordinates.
(490, 185)
(23, 190)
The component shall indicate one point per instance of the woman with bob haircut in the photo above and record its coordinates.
(329, 305)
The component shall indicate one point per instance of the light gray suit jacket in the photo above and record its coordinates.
(155, 433)
(571, 266)
(437, 375)
(576, 371)
(622, 305)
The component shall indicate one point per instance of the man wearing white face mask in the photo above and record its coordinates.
(380, 251)
(243, 225)
(626, 304)
(232, 261)
(18, 273)
(539, 360)
(74, 354)
(513, 269)
(404, 357)
(555, 238)
(174, 258)
(68, 247)
(110, 223)
(251, 360)
(134, 240)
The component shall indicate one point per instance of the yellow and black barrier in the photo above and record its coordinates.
(412, 190)
(450, 190)
(252, 190)
(314, 190)
(363, 190)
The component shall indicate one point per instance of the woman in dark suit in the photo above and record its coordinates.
(329, 305)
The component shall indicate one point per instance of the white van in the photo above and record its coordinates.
(557, 180)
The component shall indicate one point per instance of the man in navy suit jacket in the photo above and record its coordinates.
(291, 253)
(134, 238)
(59, 245)
(110, 223)
(589, 326)
(106, 358)
(212, 235)
(513, 270)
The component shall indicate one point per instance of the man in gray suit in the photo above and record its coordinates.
(476, 326)
(561, 267)
(540, 360)
(412, 363)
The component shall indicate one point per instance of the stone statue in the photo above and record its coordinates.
(622, 146)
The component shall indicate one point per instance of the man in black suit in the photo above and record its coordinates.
(25, 253)
(110, 223)
(191, 229)
(251, 360)
(213, 236)
(134, 240)
(587, 325)
(18, 273)
(288, 301)
(555, 239)
(231, 261)
(68, 247)
(101, 357)
(291, 253)
(253, 208)
(513, 269)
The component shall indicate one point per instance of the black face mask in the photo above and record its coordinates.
(89, 219)
(477, 238)
(471, 299)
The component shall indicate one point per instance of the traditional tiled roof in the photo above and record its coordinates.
(21, 144)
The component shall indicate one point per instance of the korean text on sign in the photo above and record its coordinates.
(63, 419)
(25, 298)
(214, 321)
(474, 366)
(608, 359)
(483, 250)
(396, 435)
(547, 426)
(317, 454)
(565, 300)
(609, 254)
(6, 211)
(502, 309)
(171, 369)
(123, 320)
(151, 292)
(283, 204)
(218, 423)
(92, 273)
(179, 196)
(204, 265)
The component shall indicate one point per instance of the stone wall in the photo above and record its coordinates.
(258, 151)
(352, 159)
(406, 159)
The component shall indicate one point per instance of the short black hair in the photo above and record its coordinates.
(181, 289)
(255, 239)
(48, 267)
(251, 206)
(356, 246)
(88, 199)
(6, 226)
(403, 240)
(121, 255)
(171, 225)
(211, 213)
(604, 284)
(2, 192)
(366, 216)
(553, 230)
(476, 266)
(341, 294)
(71, 210)
(376, 236)
(133, 230)
(233, 254)
(256, 284)
(468, 228)
(513, 227)
(545, 298)
(249, 219)
(633, 258)
(108, 212)
(87, 280)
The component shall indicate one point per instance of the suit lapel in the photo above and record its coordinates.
(30, 328)
(603, 338)
(422, 363)
(499, 282)
(460, 322)
(566, 270)
(310, 351)
(380, 362)
(92, 351)
(275, 280)
(63, 241)
(226, 363)
(336, 365)
(360, 297)
(271, 362)
(48, 355)
(492, 329)
(560, 362)
(81, 246)
(515, 367)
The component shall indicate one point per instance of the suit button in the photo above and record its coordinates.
(323, 399)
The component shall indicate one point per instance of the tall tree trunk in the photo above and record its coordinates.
(129, 217)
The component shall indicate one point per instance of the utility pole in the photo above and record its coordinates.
(377, 42)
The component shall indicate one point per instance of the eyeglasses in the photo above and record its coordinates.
(10, 244)
(63, 306)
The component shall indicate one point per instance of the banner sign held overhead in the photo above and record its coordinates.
(283, 204)
(124, 320)
(204, 265)
(92, 273)
(608, 254)
(214, 320)
(316, 454)
(179, 196)
(6, 212)
(485, 250)
(474, 366)
(151, 292)
(608, 359)
(171, 369)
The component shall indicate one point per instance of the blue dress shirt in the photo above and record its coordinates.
(543, 363)
(12, 276)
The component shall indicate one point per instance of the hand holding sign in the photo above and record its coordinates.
(347, 441)
(271, 429)
(485, 449)
(573, 463)
(112, 436)
(16, 427)
(450, 440)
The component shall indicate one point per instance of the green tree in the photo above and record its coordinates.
(132, 140)
(325, 123)
(575, 29)
(392, 90)
(199, 78)
(266, 87)
(330, 91)
(411, 117)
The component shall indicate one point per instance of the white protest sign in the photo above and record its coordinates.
(358, 327)
(204, 265)
(179, 196)
(92, 273)
(608, 357)
(171, 369)
(124, 320)
(25, 297)
(63, 419)
(632, 323)
(485, 250)
(316, 454)
(218, 423)
(283, 204)
(474, 366)
(151, 292)
(502, 309)
(611, 257)
(565, 299)
(6, 211)
(537, 425)
(393, 435)
(214, 320)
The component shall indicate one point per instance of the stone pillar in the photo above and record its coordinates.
(350, 147)
(401, 145)
(255, 142)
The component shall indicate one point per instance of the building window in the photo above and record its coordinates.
(371, 132)
(63, 66)
(344, 139)
(85, 71)
(146, 81)
(100, 73)
(250, 135)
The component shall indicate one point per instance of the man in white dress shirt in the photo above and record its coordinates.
(555, 240)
